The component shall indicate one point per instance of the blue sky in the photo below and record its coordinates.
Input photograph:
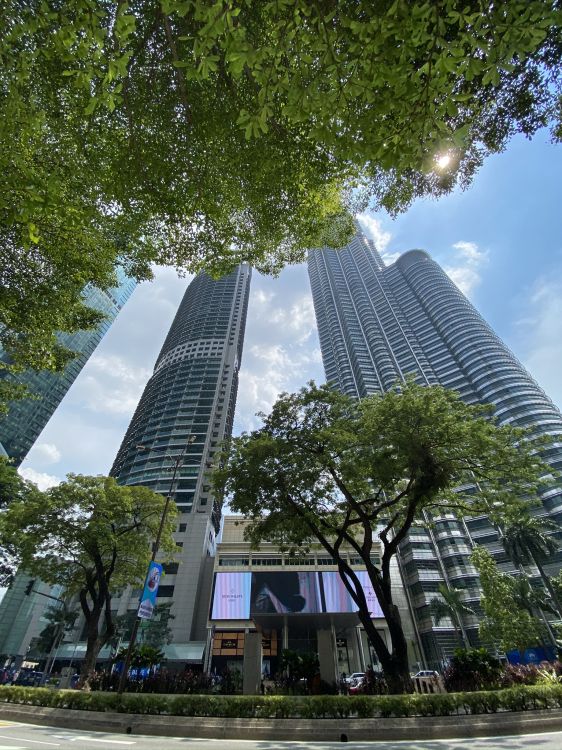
(501, 241)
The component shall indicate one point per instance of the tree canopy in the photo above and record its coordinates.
(200, 134)
(506, 622)
(13, 489)
(358, 474)
(93, 538)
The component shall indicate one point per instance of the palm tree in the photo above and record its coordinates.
(449, 604)
(529, 598)
(534, 601)
(526, 539)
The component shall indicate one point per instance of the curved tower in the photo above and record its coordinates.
(378, 324)
(188, 405)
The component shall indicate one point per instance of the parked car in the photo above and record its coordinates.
(353, 678)
(28, 678)
(427, 673)
(357, 687)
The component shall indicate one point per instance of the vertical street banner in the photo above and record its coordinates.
(150, 591)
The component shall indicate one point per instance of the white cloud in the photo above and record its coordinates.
(46, 453)
(268, 372)
(541, 341)
(284, 352)
(465, 270)
(111, 384)
(466, 278)
(373, 228)
(262, 297)
(42, 480)
(470, 251)
(117, 367)
(298, 319)
(390, 258)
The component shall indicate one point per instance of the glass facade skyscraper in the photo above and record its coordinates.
(188, 404)
(26, 418)
(378, 324)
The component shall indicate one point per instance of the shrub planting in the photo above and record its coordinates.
(520, 698)
(473, 669)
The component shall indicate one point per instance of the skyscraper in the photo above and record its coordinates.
(188, 405)
(26, 418)
(378, 324)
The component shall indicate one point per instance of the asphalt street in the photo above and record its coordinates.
(16, 736)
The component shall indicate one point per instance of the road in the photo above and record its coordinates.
(17, 736)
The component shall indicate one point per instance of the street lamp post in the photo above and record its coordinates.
(178, 461)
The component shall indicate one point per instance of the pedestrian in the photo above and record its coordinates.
(343, 684)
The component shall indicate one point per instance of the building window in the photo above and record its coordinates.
(165, 591)
(326, 561)
(300, 561)
(233, 562)
(266, 561)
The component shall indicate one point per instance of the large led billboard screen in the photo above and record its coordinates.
(239, 596)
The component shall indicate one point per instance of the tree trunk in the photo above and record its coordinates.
(395, 665)
(93, 647)
(459, 634)
(549, 587)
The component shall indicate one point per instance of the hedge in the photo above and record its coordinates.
(521, 698)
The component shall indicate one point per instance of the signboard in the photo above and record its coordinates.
(150, 591)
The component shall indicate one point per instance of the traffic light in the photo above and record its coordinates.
(29, 587)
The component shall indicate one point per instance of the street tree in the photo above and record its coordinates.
(329, 469)
(157, 632)
(92, 537)
(450, 605)
(13, 489)
(199, 134)
(508, 621)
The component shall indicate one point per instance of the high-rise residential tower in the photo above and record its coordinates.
(188, 405)
(26, 418)
(378, 324)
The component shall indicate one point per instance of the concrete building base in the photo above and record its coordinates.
(330, 730)
(326, 656)
(252, 664)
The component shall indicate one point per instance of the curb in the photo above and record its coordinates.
(334, 730)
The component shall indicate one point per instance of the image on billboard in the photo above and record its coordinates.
(231, 598)
(372, 601)
(284, 592)
(338, 599)
(336, 596)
